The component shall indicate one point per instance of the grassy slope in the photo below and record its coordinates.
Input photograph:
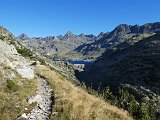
(13, 99)
(73, 103)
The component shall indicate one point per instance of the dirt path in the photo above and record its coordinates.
(43, 98)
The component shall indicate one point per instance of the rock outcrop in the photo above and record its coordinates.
(7, 49)
(27, 72)
(10, 57)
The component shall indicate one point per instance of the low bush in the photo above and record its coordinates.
(142, 110)
(2, 37)
(11, 85)
(25, 52)
(42, 61)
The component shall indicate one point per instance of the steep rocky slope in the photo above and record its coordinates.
(134, 68)
(143, 54)
(10, 57)
(18, 81)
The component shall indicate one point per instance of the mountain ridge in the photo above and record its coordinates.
(90, 47)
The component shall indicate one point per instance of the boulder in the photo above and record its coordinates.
(27, 72)
(7, 49)
(4, 59)
(24, 116)
(36, 98)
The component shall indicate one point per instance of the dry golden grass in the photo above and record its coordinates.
(74, 103)
(12, 103)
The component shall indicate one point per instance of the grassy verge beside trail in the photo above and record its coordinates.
(13, 103)
(74, 103)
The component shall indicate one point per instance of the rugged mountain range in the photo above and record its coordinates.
(56, 45)
(109, 40)
(88, 47)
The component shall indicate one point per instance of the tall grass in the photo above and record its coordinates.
(74, 103)
(13, 97)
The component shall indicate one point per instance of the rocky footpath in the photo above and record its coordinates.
(43, 98)
(16, 63)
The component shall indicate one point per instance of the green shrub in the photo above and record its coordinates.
(25, 52)
(12, 42)
(42, 61)
(144, 110)
(107, 94)
(2, 37)
(7, 68)
(11, 85)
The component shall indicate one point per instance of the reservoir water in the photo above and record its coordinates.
(80, 62)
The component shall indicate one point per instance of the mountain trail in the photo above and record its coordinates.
(43, 98)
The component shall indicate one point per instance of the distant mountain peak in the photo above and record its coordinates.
(123, 27)
(82, 35)
(23, 36)
(69, 33)
(103, 34)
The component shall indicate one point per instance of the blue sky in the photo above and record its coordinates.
(55, 17)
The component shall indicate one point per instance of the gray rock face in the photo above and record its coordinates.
(7, 49)
(27, 72)
(10, 57)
